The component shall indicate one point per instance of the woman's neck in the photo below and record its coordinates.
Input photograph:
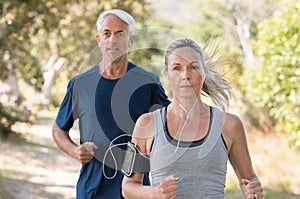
(189, 108)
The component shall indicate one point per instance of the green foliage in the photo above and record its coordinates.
(8, 117)
(205, 25)
(214, 22)
(32, 31)
(276, 83)
(16, 31)
(150, 45)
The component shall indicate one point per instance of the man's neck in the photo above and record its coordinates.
(115, 69)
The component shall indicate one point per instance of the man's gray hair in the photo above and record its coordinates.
(124, 16)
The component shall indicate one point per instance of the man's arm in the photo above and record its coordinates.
(84, 153)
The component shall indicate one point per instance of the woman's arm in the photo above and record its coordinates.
(239, 157)
(132, 187)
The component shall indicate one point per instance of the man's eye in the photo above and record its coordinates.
(120, 34)
(106, 34)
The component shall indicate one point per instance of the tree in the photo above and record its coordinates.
(38, 38)
(231, 21)
(276, 83)
(42, 40)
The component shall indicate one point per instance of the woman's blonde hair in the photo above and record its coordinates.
(216, 86)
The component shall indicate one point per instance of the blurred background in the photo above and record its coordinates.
(45, 43)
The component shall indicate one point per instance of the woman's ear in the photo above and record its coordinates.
(166, 73)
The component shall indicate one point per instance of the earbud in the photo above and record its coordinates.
(203, 78)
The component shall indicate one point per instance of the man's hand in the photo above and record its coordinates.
(84, 153)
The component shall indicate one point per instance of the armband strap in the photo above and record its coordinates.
(141, 163)
(134, 162)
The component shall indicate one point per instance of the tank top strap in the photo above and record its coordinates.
(159, 118)
(214, 133)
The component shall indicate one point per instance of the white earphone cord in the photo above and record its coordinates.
(114, 159)
(110, 145)
(187, 118)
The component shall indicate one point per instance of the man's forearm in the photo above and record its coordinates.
(63, 140)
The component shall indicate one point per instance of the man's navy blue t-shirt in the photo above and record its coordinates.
(107, 111)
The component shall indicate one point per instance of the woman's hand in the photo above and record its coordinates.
(167, 189)
(252, 189)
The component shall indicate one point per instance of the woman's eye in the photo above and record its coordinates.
(195, 67)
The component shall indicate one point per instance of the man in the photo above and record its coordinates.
(106, 100)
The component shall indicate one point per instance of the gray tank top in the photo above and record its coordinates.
(200, 165)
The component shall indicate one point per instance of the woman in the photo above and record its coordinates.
(190, 142)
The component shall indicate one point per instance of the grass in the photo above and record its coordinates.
(281, 190)
(276, 165)
(269, 193)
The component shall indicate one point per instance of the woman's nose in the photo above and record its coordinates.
(186, 75)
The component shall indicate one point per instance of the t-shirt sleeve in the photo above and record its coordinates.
(64, 117)
(160, 97)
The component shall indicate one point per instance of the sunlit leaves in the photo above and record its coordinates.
(277, 81)
(31, 32)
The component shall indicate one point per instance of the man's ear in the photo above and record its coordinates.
(131, 41)
(98, 39)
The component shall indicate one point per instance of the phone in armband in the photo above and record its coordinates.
(129, 159)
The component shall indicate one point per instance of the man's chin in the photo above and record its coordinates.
(115, 58)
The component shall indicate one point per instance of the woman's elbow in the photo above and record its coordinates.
(124, 188)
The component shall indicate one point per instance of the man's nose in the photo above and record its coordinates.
(112, 38)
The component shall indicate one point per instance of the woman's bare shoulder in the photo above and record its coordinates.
(144, 127)
(233, 129)
(232, 120)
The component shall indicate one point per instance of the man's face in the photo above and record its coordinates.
(113, 38)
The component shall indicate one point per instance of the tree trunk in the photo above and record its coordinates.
(50, 72)
(243, 31)
(10, 94)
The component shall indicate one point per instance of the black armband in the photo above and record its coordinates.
(134, 162)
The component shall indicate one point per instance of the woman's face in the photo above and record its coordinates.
(185, 72)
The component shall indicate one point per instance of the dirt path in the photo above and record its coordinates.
(36, 168)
